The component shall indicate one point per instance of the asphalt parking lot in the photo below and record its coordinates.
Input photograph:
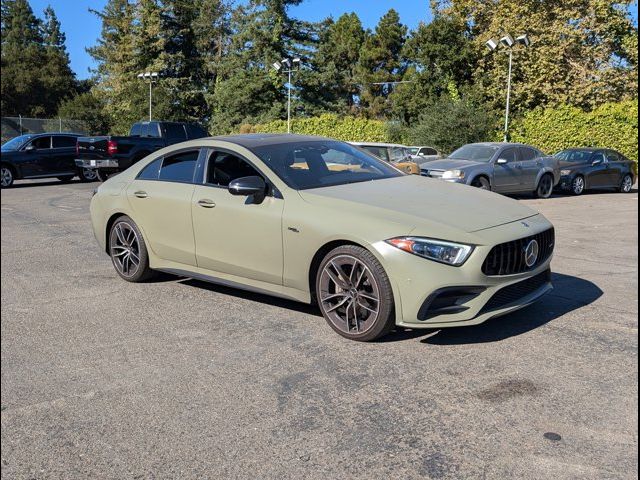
(180, 379)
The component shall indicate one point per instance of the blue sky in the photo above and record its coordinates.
(83, 28)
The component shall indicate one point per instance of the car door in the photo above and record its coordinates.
(160, 198)
(36, 157)
(617, 168)
(61, 159)
(531, 163)
(598, 174)
(234, 236)
(507, 171)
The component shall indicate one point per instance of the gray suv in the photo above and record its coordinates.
(500, 167)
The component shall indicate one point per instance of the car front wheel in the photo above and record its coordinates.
(6, 176)
(354, 294)
(128, 251)
(481, 183)
(577, 185)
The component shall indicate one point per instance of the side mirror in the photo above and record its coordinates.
(30, 148)
(249, 186)
(502, 161)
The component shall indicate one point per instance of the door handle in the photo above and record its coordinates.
(206, 203)
(140, 194)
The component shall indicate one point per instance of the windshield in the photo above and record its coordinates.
(15, 143)
(574, 156)
(478, 153)
(315, 164)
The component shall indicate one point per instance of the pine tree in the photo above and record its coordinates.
(36, 76)
(381, 64)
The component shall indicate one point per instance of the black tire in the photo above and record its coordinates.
(8, 175)
(88, 175)
(626, 185)
(545, 186)
(118, 251)
(66, 178)
(481, 183)
(101, 175)
(578, 185)
(371, 281)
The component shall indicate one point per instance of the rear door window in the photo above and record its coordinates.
(613, 156)
(175, 132)
(510, 155)
(527, 153)
(151, 171)
(62, 141)
(179, 167)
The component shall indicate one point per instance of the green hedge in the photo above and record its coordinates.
(341, 128)
(612, 125)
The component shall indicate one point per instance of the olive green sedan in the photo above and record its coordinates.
(317, 220)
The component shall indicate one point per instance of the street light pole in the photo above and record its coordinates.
(506, 113)
(291, 66)
(150, 77)
(508, 42)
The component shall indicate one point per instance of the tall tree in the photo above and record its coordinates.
(581, 51)
(439, 54)
(36, 75)
(248, 90)
(335, 63)
(381, 65)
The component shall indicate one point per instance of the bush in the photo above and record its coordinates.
(612, 125)
(328, 125)
(448, 123)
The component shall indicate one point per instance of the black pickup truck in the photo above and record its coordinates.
(112, 154)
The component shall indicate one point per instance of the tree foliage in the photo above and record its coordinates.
(36, 75)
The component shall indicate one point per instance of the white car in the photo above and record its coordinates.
(425, 154)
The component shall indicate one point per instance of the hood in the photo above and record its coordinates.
(419, 202)
(450, 164)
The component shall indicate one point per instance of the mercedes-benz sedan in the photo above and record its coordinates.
(317, 220)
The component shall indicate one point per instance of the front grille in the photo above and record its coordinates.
(509, 258)
(517, 291)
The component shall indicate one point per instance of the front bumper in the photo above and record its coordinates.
(107, 163)
(565, 182)
(417, 280)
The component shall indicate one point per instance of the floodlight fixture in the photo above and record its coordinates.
(491, 44)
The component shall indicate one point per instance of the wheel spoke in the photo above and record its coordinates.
(335, 295)
(362, 305)
(336, 276)
(338, 305)
(120, 234)
(368, 297)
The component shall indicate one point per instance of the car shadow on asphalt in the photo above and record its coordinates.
(254, 297)
(47, 183)
(570, 293)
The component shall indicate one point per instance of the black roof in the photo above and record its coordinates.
(250, 140)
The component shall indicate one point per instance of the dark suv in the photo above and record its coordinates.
(42, 155)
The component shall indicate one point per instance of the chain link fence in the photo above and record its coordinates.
(14, 126)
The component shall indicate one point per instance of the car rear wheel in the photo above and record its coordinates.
(6, 176)
(627, 184)
(354, 294)
(578, 185)
(545, 186)
(128, 251)
(482, 183)
(88, 174)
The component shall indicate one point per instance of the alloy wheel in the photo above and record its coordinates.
(6, 177)
(125, 249)
(89, 174)
(545, 189)
(627, 184)
(349, 294)
(578, 185)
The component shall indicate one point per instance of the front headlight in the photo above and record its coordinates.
(453, 174)
(437, 250)
(565, 173)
